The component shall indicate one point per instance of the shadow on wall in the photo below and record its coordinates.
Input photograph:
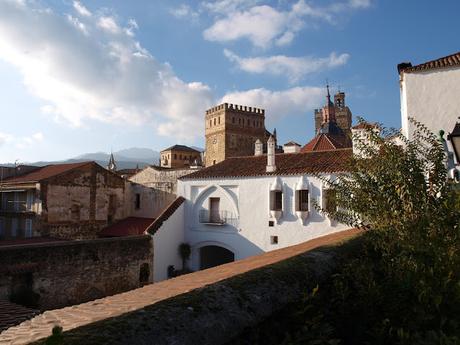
(221, 248)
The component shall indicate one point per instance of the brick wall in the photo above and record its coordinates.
(72, 272)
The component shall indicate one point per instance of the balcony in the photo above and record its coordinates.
(216, 217)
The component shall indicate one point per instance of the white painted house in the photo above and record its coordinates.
(245, 206)
(430, 93)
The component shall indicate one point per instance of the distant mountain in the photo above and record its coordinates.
(125, 159)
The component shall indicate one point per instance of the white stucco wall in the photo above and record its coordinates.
(431, 97)
(247, 199)
(166, 243)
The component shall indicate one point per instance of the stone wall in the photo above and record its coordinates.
(213, 306)
(70, 272)
(163, 179)
(79, 203)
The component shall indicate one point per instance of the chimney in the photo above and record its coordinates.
(259, 148)
(271, 167)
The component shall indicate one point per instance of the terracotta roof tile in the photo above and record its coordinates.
(286, 164)
(181, 148)
(127, 227)
(45, 172)
(164, 216)
(326, 142)
(13, 314)
(443, 62)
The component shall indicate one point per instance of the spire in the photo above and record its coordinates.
(328, 109)
(112, 166)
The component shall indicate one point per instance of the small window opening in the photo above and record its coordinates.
(137, 204)
(274, 239)
(276, 200)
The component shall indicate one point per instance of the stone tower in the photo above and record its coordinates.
(231, 130)
(343, 115)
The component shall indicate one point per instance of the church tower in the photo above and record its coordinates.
(112, 166)
(231, 130)
(342, 113)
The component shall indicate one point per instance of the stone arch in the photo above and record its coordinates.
(202, 195)
(196, 251)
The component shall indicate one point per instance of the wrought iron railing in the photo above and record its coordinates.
(216, 217)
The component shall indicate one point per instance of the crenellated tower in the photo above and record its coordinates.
(231, 130)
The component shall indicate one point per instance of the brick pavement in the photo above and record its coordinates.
(83, 314)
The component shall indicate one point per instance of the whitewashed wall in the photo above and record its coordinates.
(248, 199)
(166, 245)
(432, 97)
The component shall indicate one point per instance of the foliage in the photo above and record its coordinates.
(404, 287)
(184, 251)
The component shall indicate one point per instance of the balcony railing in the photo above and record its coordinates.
(216, 217)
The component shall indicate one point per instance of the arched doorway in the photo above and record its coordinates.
(211, 256)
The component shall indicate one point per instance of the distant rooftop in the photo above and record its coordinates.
(286, 164)
(45, 172)
(181, 148)
(443, 62)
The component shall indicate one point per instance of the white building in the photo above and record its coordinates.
(430, 94)
(245, 206)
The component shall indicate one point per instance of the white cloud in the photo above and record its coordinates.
(278, 104)
(21, 142)
(105, 75)
(82, 10)
(109, 24)
(185, 11)
(264, 25)
(294, 68)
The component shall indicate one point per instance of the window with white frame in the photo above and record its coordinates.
(301, 202)
(276, 200)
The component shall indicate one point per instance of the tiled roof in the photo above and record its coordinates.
(13, 314)
(127, 227)
(180, 148)
(291, 143)
(286, 164)
(443, 62)
(30, 240)
(45, 172)
(164, 216)
(365, 125)
(326, 142)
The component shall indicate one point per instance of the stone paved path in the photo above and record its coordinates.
(79, 315)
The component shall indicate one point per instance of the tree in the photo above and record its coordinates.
(404, 287)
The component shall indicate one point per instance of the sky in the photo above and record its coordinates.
(91, 76)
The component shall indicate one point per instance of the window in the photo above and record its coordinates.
(137, 202)
(233, 120)
(214, 214)
(210, 123)
(249, 122)
(28, 232)
(2, 227)
(274, 239)
(271, 223)
(218, 120)
(175, 156)
(302, 200)
(239, 121)
(330, 204)
(214, 121)
(276, 200)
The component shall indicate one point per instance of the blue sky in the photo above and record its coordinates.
(87, 76)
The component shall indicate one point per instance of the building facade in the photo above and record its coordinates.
(70, 201)
(245, 206)
(179, 156)
(231, 130)
(429, 93)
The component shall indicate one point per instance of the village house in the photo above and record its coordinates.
(429, 94)
(179, 156)
(70, 201)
